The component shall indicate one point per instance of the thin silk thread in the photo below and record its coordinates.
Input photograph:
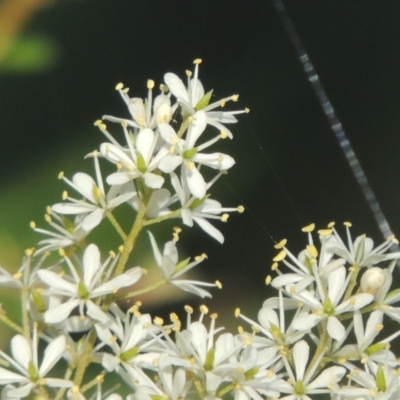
(335, 124)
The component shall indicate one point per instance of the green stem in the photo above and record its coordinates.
(148, 289)
(320, 349)
(185, 124)
(225, 390)
(10, 323)
(67, 375)
(25, 317)
(85, 358)
(173, 214)
(93, 382)
(130, 241)
(116, 225)
(352, 283)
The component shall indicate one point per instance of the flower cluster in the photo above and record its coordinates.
(319, 336)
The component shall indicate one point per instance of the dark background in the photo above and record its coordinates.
(284, 149)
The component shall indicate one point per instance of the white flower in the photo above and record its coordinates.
(365, 350)
(361, 252)
(188, 154)
(142, 113)
(68, 233)
(171, 268)
(381, 384)
(130, 340)
(138, 161)
(199, 210)
(329, 306)
(81, 291)
(98, 202)
(300, 386)
(25, 362)
(193, 99)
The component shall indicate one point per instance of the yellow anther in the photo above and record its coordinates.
(191, 166)
(222, 102)
(247, 110)
(237, 312)
(268, 279)
(17, 275)
(218, 284)
(150, 84)
(173, 317)
(30, 251)
(95, 153)
(120, 86)
(163, 88)
(240, 209)
(61, 175)
(240, 329)
(61, 252)
(49, 210)
(121, 248)
(131, 167)
(214, 316)
(64, 195)
(224, 217)
(281, 244)
(98, 122)
(352, 301)
(188, 309)
(203, 309)
(342, 360)
(223, 134)
(172, 149)
(188, 73)
(124, 124)
(325, 232)
(175, 236)
(103, 127)
(158, 321)
(347, 224)
(47, 217)
(280, 256)
(255, 329)
(32, 224)
(331, 224)
(197, 61)
(308, 228)
(312, 250)
(379, 327)
(274, 266)
(119, 164)
(220, 158)
(235, 97)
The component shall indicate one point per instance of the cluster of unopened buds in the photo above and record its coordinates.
(319, 336)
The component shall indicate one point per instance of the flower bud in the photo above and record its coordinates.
(372, 280)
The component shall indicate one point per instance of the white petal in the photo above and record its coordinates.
(96, 313)
(73, 208)
(126, 279)
(22, 391)
(21, 350)
(91, 264)
(169, 163)
(305, 322)
(119, 178)
(196, 183)
(85, 183)
(153, 181)
(61, 312)
(176, 86)
(92, 220)
(301, 351)
(210, 229)
(196, 128)
(215, 160)
(52, 354)
(168, 134)
(327, 378)
(7, 377)
(335, 284)
(145, 144)
(54, 281)
(335, 329)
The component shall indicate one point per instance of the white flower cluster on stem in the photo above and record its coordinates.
(321, 334)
